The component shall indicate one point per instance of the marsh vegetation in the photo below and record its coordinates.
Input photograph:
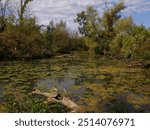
(103, 67)
(99, 84)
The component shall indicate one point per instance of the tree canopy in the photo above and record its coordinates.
(109, 33)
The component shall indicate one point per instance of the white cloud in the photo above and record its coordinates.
(137, 6)
(46, 10)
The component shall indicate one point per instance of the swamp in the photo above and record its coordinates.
(94, 59)
(98, 84)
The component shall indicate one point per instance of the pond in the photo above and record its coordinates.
(98, 84)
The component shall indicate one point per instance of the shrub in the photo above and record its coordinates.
(144, 50)
(129, 46)
(22, 42)
(116, 45)
(133, 41)
(61, 40)
(102, 47)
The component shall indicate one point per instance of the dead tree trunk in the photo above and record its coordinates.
(55, 97)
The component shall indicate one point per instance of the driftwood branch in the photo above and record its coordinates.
(55, 97)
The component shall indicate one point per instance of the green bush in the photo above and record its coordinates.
(102, 47)
(22, 42)
(130, 46)
(61, 40)
(78, 44)
(144, 51)
(133, 42)
(116, 45)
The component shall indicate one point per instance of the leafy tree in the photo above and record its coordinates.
(22, 42)
(89, 23)
(21, 11)
(144, 50)
(122, 28)
(59, 39)
(100, 30)
(82, 20)
(4, 13)
(111, 15)
(134, 41)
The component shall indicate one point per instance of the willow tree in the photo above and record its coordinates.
(111, 15)
(82, 21)
(22, 10)
(89, 23)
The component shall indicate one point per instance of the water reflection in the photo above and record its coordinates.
(63, 85)
(89, 81)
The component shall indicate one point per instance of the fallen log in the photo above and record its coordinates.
(55, 97)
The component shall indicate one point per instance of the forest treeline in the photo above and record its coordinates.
(110, 34)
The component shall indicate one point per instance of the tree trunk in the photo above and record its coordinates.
(55, 97)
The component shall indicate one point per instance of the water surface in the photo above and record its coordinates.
(98, 84)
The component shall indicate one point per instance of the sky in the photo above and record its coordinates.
(46, 10)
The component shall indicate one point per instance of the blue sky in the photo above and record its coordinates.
(46, 10)
(142, 18)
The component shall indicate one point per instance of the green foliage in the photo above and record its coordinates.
(100, 30)
(22, 10)
(144, 51)
(32, 105)
(89, 23)
(20, 100)
(111, 16)
(124, 26)
(102, 47)
(116, 45)
(61, 40)
(82, 20)
(22, 38)
(133, 42)
(77, 43)
(129, 46)
(22, 42)
(114, 35)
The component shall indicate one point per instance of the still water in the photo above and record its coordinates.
(98, 84)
